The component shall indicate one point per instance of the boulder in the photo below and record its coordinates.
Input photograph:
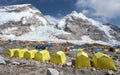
(69, 64)
(52, 71)
(111, 72)
(2, 61)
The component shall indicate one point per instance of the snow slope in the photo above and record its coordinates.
(42, 33)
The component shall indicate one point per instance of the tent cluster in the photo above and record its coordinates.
(72, 48)
(42, 56)
(99, 60)
(106, 48)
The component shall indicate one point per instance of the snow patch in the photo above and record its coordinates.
(6, 17)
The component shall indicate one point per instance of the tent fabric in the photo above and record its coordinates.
(40, 47)
(67, 49)
(40, 43)
(111, 49)
(80, 49)
(30, 54)
(103, 61)
(42, 56)
(116, 48)
(58, 58)
(10, 52)
(49, 45)
(20, 53)
(82, 60)
(97, 49)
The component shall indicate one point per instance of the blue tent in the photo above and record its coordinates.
(40, 47)
(48, 45)
(76, 46)
(97, 49)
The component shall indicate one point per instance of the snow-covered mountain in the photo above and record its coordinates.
(19, 19)
(25, 22)
(83, 28)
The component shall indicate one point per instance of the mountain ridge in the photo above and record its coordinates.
(75, 27)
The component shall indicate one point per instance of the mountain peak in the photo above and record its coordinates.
(78, 15)
(18, 12)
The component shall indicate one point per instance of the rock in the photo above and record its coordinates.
(52, 71)
(15, 63)
(111, 72)
(66, 36)
(68, 63)
(7, 61)
(2, 61)
(93, 69)
(61, 73)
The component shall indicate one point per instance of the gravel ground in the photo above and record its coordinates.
(17, 66)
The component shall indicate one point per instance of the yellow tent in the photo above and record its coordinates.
(40, 43)
(82, 60)
(103, 61)
(80, 49)
(30, 54)
(42, 56)
(58, 58)
(10, 52)
(20, 53)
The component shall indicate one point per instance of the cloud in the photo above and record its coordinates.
(103, 8)
(51, 19)
(85, 12)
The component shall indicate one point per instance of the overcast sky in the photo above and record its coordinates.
(106, 11)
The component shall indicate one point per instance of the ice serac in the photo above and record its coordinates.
(19, 19)
(79, 25)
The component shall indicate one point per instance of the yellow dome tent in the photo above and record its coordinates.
(58, 58)
(30, 54)
(42, 56)
(82, 60)
(20, 53)
(10, 52)
(103, 61)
